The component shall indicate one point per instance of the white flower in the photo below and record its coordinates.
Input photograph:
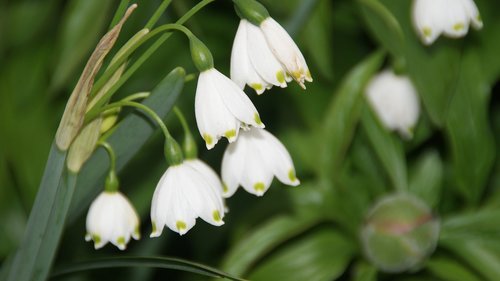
(266, 56)
(185, 192)
(395, 101)
(252, 162)
(221, 108)
(112, 218)
(451, 17)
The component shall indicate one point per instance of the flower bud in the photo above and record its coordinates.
(251, 10)
(202, 58)
(399, 233)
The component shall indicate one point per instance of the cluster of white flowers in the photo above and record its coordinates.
(449, 17)
(262, 56)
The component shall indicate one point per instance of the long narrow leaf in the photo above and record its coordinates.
(25, 257)
(154, 262)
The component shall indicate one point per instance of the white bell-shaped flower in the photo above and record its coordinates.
(112, 218)
(431, 18)
(265, 56)
(253, 161)
(395, 101)
(185, 192)
(222, 108)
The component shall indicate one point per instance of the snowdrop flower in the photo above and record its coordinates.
(112, 218)
(185, 192)
(252, 162)
(222, 108)
(264, 56)
(451, 17)
(394, 100)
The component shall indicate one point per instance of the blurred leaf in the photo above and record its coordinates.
(317, 39)
(83, 22)
(264, 239)
(156, 262)
(364, 272)
(469, 132)
(450, 270)
(319, 256)
(343, 114)
(426, 178)
(489, 42)
(478, 225)
(388, 148)
(384, 26)
(127, 139)
(483, 257)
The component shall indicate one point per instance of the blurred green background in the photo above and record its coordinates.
(344, 158)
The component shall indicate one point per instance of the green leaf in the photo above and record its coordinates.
(154, 262)
(317, 39)
(320, 256)
(469, 132)
(483, 257)
(384, 26)
(450, 270)
(264, 239)
(83, 22)
(426, 178)
(478, 225)
(128, 138)
(364, 272)
(388, 148)
(25, 259)
(343, 113)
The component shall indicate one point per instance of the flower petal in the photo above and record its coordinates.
(242, 71)
(213, 118)
(278, 159)
(233, 166)
(262, 58)
(235, 100)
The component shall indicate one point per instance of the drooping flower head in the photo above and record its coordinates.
(221, 107)
(395, 101)
(112, 218)
(450, 17)
(263, 53)
(253, 161)
(185, 192)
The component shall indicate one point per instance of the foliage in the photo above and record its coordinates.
(346, 160)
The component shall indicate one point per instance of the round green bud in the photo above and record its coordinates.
(399, 233)
(201, 55)
(251, 10)
(173, 152)
(112, 183)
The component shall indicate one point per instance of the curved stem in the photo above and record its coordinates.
(111, 154)
(137, 96)
(137, 105)
(189, 145)
(114, 66)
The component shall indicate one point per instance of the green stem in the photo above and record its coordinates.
(156, 16)
(137, 96)
(189, 146)
(114, 66)
(137, 105)
(111, 154)
(119, 13)
(173, 153)
(112, 184)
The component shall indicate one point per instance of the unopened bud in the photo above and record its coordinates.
(399, 233)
